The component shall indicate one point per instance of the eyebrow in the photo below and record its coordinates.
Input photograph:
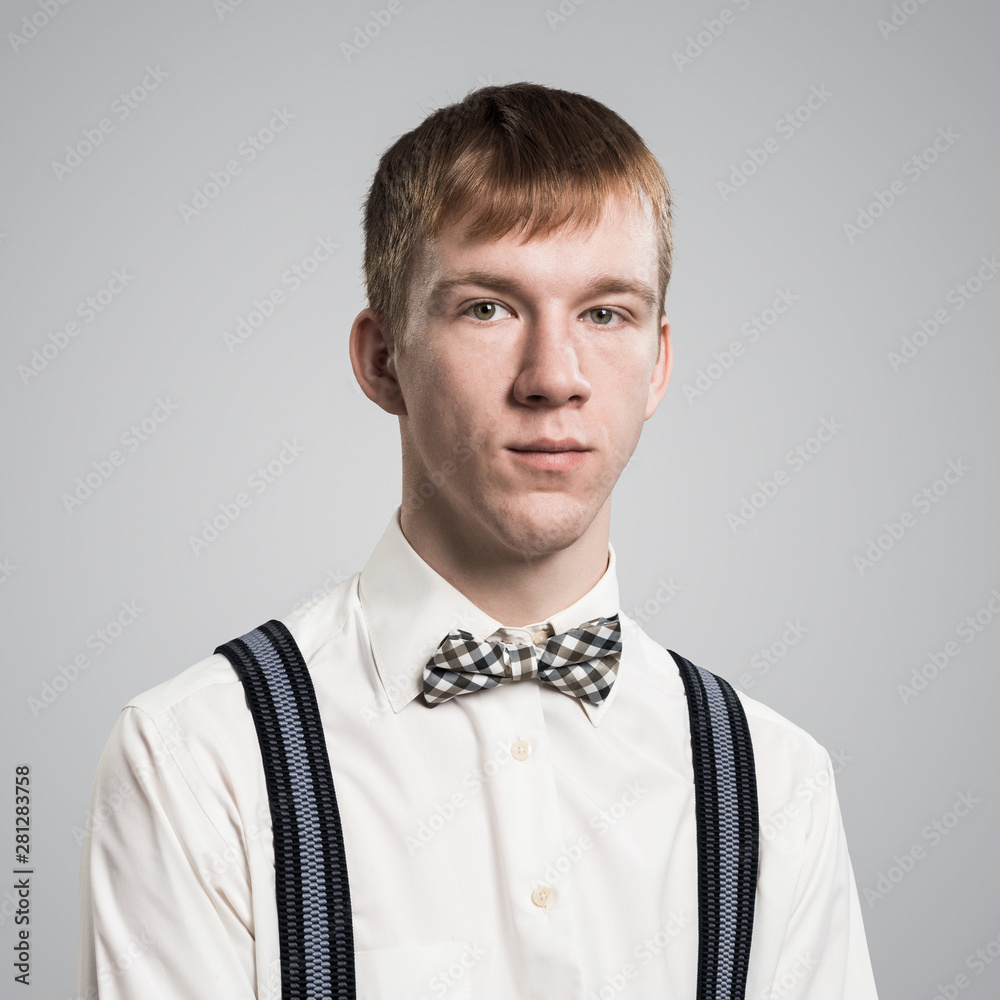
(604, 285)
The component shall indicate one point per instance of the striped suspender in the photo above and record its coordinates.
(726, 815)
(310, 870)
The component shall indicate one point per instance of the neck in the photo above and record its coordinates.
(512, 588)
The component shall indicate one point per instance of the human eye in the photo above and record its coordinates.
(603, 315)
(485, 310)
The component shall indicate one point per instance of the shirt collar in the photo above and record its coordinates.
(409, 608)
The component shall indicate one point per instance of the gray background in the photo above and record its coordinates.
(67, 570)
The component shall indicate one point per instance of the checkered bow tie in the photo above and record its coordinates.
(582, 662)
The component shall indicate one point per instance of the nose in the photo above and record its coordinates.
(550, 373)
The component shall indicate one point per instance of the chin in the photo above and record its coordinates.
(542, 523)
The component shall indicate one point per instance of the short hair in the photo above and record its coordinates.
(520, 155)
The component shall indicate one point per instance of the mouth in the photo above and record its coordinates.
(550, 445)
(549, 453)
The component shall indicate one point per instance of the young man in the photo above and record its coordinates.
(506, 836)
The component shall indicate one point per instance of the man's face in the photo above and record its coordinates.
(526, 375)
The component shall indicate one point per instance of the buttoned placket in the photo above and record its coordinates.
(526, 805)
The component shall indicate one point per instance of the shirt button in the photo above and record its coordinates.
(540, 638)
(521, 750)
(543, 895)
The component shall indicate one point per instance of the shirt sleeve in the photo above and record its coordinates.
(165, 899)
(825, 953)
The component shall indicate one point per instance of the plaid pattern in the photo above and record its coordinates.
(582, 662)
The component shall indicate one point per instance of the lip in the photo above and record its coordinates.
(550, 445)
(551, 454)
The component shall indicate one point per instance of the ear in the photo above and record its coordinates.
(660, 377)
(373, 362)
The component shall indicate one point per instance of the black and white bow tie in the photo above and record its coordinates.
(582, 662)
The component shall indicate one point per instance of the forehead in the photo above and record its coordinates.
(622, 242)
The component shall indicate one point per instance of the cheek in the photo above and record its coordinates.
(448, 408)
(624, 408)
(626, 389)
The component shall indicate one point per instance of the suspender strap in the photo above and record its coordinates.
(726, 812)
(310, 870)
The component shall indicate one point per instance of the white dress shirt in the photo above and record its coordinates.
(508, 844)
